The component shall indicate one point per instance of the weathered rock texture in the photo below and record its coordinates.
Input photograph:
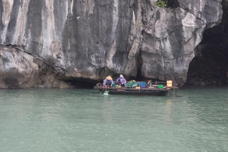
(19, 69)
(92, 38)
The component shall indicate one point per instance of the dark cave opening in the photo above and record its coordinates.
(210, 65)
(81, 83)
(173, 3)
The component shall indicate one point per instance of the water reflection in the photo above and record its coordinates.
(107, 111)
(168, 111)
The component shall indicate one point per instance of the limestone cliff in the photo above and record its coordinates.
(92, 38)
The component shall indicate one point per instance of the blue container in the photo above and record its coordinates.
(142, 84)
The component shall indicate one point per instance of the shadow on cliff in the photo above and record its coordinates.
(81, 83)
(210, 65)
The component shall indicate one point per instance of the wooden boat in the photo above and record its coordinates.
(136, 91)
(155, 90)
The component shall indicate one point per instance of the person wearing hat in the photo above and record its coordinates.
(121, 81)
(107, 82)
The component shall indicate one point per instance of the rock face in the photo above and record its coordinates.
(18, 69)
(92, 38)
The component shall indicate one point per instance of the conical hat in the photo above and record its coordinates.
(108, 77)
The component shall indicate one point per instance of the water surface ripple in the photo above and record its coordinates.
(87, 121)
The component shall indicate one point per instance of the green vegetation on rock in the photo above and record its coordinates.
(161, 3)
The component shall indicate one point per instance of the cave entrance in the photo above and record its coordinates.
(210, 65)
(81, 83)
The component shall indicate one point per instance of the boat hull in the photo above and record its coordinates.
(132, 91)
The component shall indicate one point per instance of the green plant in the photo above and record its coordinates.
(161, 3)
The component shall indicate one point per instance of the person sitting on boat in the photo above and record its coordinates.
(149, 84)
(108, 82)
(121, 81)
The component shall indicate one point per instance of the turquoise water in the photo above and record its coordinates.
(86, 121)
